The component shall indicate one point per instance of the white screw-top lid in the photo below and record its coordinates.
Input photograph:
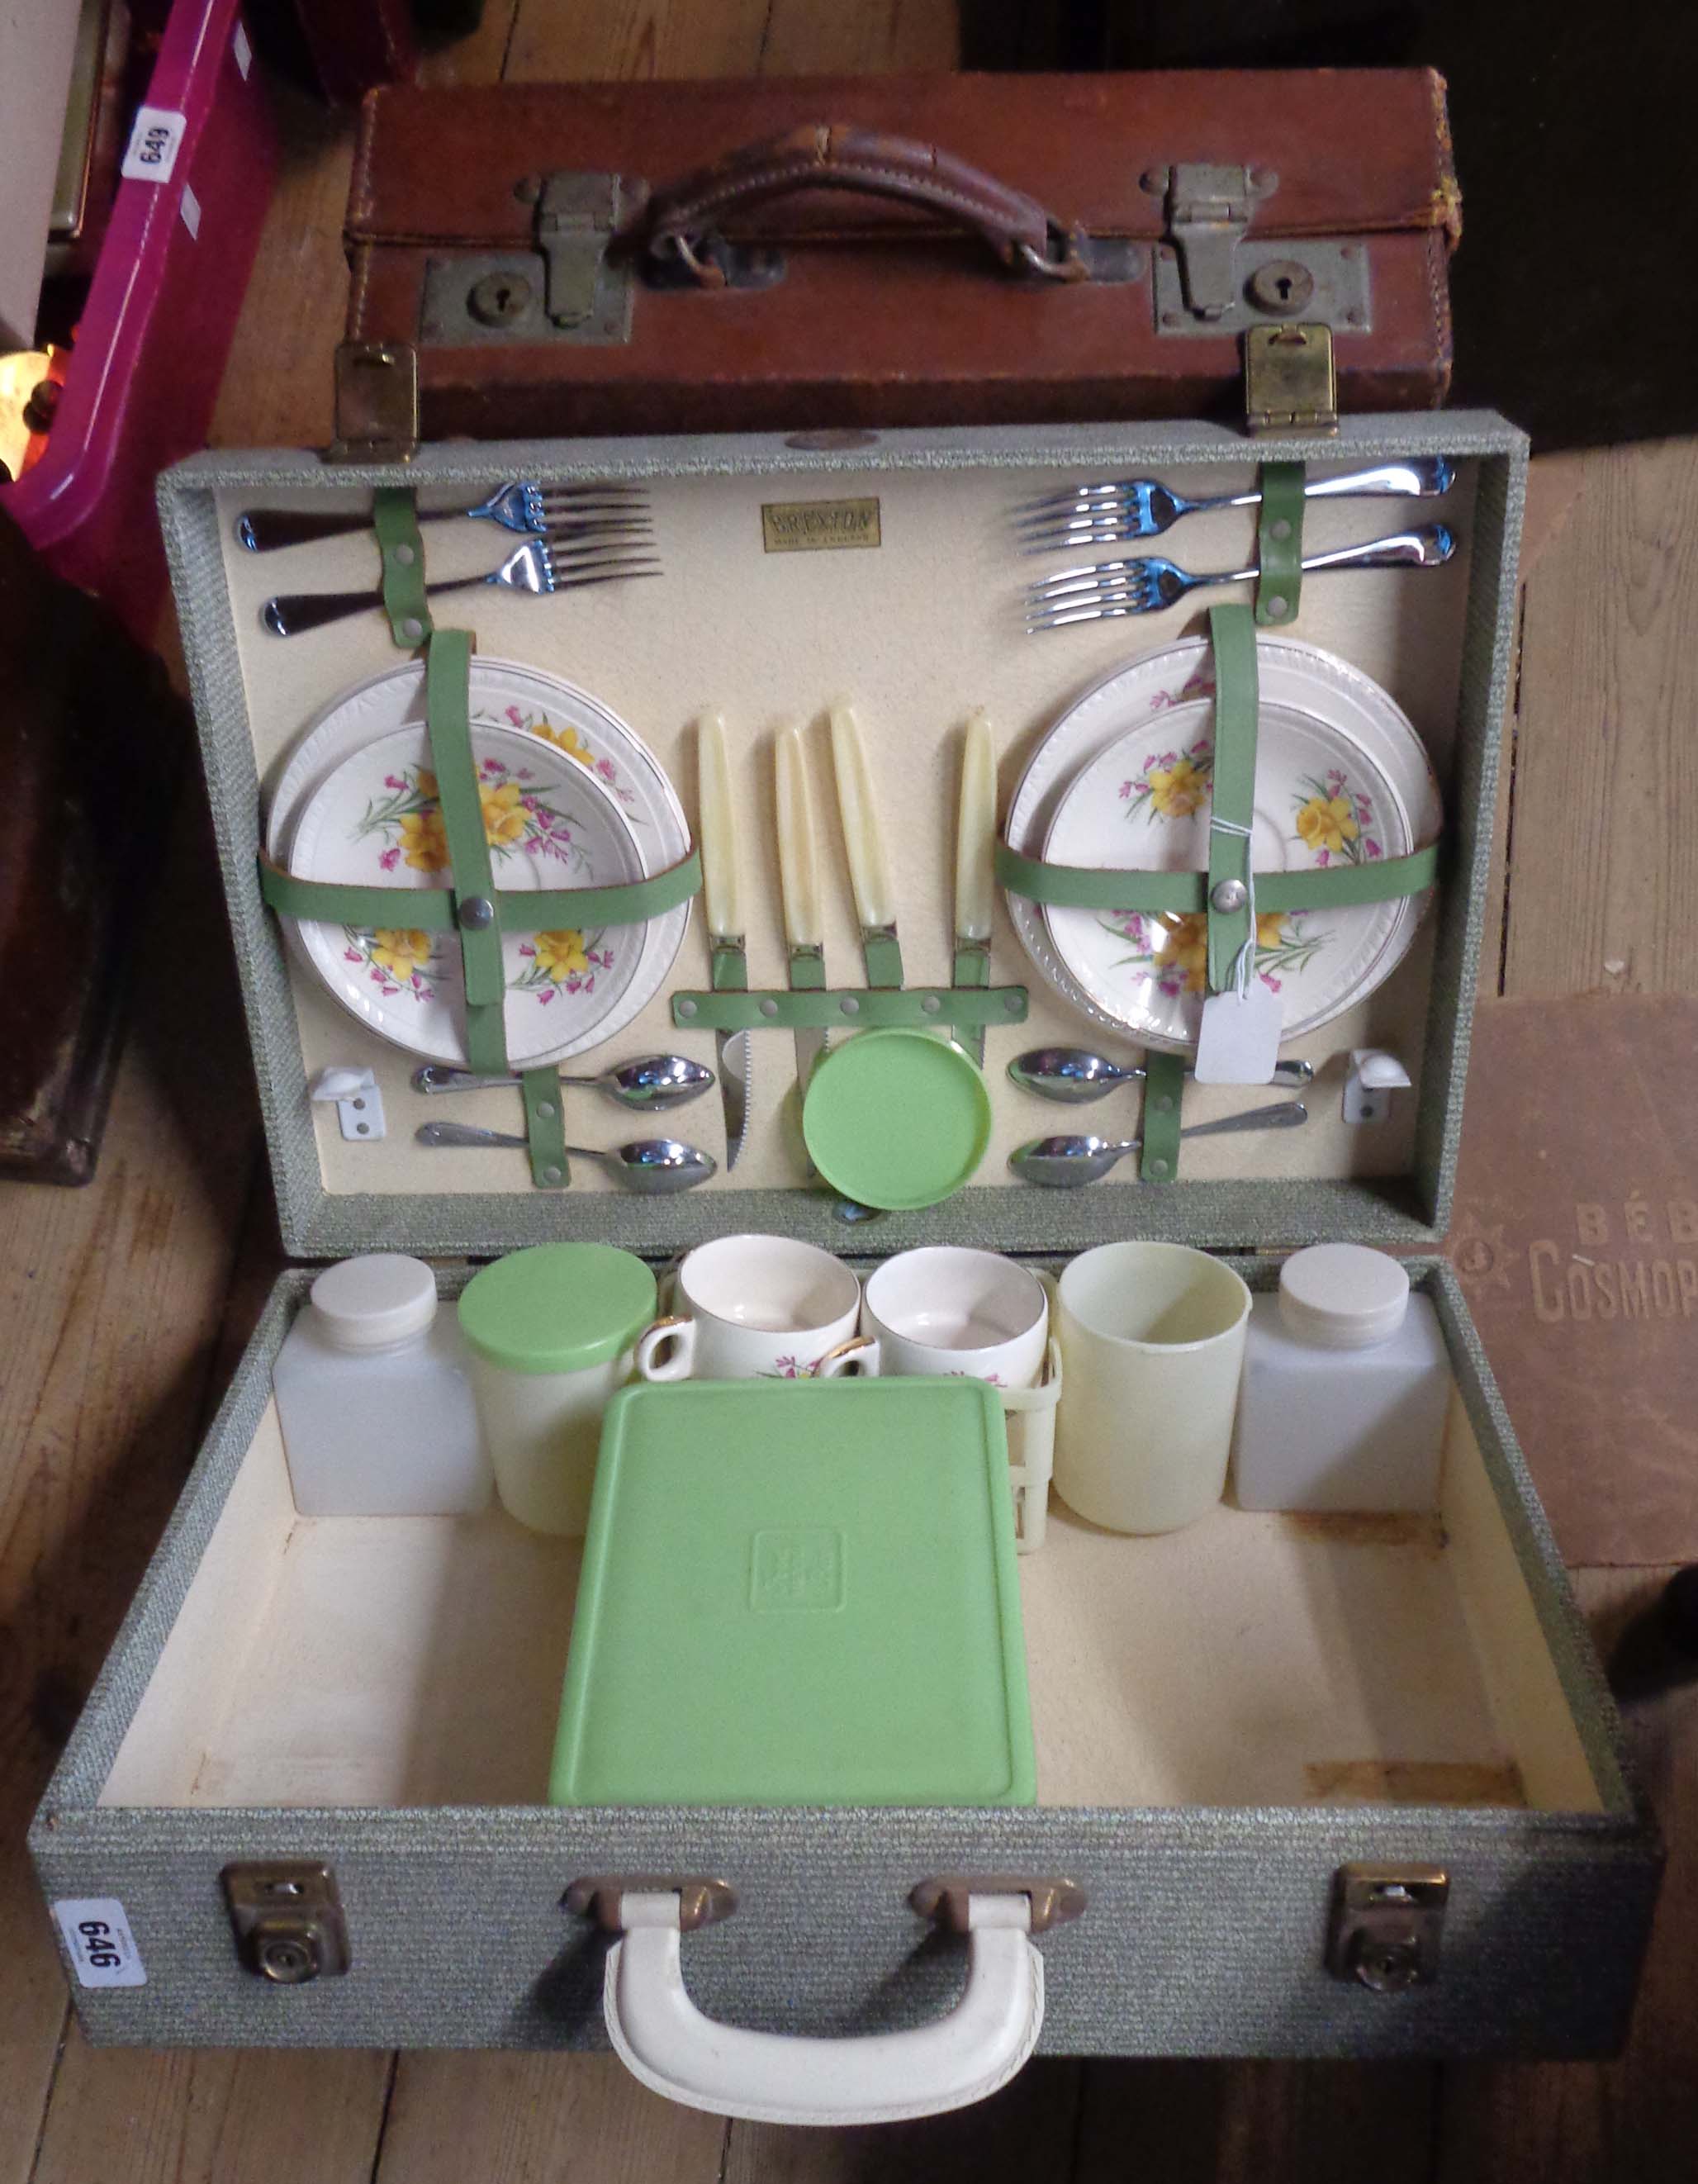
(1343, 1297)
(374, 1301)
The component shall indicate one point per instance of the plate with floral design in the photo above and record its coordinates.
(589, 750)
(1125, 779)
(376, 819)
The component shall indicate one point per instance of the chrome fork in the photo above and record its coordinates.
(1101, 591)
(1142, 508)
(534, 565)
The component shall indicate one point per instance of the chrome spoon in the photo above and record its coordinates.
(655, 1166)
(1074, 1074)
(1064, 1163)
(657, 1081)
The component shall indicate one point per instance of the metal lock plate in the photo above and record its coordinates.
(1289, 384)
(1386, 1925)
(1270, 283)
(570, 288)
(287, 1916)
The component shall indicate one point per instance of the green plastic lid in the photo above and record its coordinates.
(557, 1308)
(896, 1119)
(799, 1592)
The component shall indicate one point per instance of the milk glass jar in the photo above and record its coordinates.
(374, 1398)
(1345, 1387)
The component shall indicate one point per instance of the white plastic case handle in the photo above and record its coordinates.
(770, 2077)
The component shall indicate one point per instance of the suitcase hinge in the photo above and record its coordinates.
(1290, 385)
(376, 403)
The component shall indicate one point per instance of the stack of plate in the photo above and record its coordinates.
(572, 798)
(1123, 782)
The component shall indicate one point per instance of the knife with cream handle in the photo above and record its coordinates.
(875, 898)
(975, 881)
(722, 906)
(798, 883)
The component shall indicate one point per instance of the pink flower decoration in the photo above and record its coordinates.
(515, 716)
(391, 858)
(1125, 790)
(1323, 856)
(528, 951)
(546, 996)
(392, 781)
(1372, 848)
(605, 767)
(1271, 983)
(525, 774)
(352, 956)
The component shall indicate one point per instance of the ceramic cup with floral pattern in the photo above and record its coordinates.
(751, 1308)
(948, 1310)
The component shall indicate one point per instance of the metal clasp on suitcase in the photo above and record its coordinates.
(1212, 277)
(1386, 1924)
(570, 288)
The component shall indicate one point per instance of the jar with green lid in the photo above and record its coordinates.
(551, 1332)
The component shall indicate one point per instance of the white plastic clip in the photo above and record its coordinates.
(359, 1103)
(1371, 1079)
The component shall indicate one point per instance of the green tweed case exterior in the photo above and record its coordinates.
(316, 1224)
(1202, 1933)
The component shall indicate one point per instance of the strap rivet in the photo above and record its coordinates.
(1282, 529)
(1157, 1166)
(477, 913)
(1014, 1002)
(1230, 895)
(931, 1004)
(405, 556)
(1163, 1105)
(850, 1006)
(412, 629)
(545, 1111)
(686, 1008)
(1279, 606)
(551, 1175)
(769, 1008)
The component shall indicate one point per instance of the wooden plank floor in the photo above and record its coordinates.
(124, 1303)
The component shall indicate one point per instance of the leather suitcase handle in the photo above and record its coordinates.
(827, 155)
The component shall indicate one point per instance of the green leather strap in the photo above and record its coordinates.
(1164, 1092)
(883, 956)
(1090, 887)
(1231, 634)
(849, 1008)
(448, 715)
(1279, 544)
(396, 521)
(545, 1128)
(730, 971)
(632, 902)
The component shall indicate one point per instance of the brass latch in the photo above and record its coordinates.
(1289, 384)
(376, 403)
(1386, 1925)
(287, 1916)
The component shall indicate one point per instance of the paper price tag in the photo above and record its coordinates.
(97, 1934)
(153, 145)
(1238, 1042)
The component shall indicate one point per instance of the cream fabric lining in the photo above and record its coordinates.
(916, 633)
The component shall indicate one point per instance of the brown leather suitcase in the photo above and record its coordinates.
(860, 251)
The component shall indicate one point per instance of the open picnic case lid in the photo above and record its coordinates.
(917, 631)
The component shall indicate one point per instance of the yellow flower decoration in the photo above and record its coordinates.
(568, 740)
(560, 956)
(1325, 823)
(1177, 790)
(423, 841)
(503, 816)
(1270, 929)
(401, 953)
(427, 784)
(1185, 947)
